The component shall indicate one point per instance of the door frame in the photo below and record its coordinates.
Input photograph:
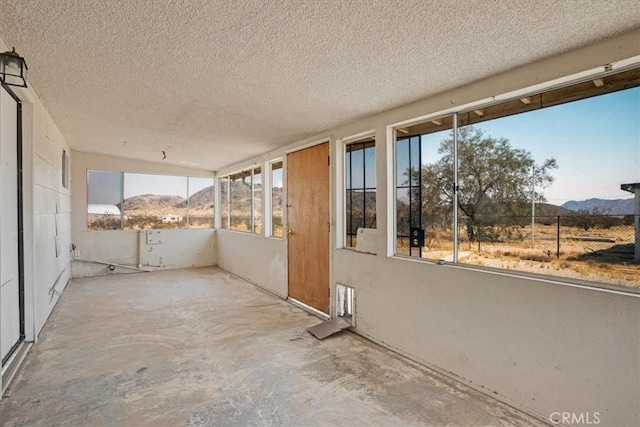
(314, 143)
(20, 248)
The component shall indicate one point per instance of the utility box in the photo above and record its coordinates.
(154, 237)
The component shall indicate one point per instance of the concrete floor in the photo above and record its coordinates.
(201, 347)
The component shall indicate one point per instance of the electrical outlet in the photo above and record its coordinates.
(76, 253)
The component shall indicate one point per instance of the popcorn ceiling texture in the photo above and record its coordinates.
(217, 81)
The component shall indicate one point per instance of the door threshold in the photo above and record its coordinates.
(308, 308)
(11, 368)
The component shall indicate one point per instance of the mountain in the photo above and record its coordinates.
(203, 199)
(150, 201)
(612, 207)
(546, 209)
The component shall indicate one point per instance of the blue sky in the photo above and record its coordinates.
(595, 141)
(138, 183)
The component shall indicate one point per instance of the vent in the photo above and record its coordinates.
(345, 303)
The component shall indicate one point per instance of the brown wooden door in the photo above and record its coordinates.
(308, 226)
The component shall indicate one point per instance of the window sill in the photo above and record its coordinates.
(556, 280)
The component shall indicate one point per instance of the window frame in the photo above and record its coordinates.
(65, 169)
(122, 198)
(251, 173)
(393, 131)
(368, 142)
(341, 182)
(267, 180)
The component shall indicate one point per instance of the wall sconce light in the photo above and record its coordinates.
(13, 69)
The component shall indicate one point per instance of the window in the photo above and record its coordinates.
(540, 183)
(136, 201)
(256, 197)
(224, 202)
(154, 201)
(424, 208)
(200, 206)
(65, 169)
(276, 199)
(104, 200)
(360, 188)
(245, 201)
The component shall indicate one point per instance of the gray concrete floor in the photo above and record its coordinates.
(201, 347)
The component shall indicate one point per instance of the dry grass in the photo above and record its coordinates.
(603, 262)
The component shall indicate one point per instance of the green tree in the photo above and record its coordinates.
(494, 181)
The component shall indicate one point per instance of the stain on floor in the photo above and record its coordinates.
(200, 347)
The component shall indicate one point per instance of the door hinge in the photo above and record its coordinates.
(328, 160)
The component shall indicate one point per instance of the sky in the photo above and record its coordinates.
(106, 187)
(595, 141)
(136, 184)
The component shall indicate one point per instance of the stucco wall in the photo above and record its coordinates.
(542, 344)
(268, 269)
(181, 248)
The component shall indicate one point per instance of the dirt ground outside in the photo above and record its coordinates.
(603, 255)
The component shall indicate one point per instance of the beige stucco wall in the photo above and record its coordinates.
(543, 344)
(181, 248)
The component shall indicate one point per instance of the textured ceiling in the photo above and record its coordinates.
(217, 81)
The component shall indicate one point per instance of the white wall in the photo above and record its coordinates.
(268, 270)
(543, 345)
(181, 248)
(47, 212)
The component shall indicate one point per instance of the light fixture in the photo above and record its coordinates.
(13, 69)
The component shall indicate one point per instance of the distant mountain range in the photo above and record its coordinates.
(203, 199)
(612, 207)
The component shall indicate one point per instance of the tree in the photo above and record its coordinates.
(494, 180)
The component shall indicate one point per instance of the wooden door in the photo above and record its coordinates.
(308, 226)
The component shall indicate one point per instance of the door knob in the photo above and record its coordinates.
(290, 233)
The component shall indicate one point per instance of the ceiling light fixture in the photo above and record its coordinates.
(13, 69)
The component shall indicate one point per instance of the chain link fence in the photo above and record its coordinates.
(611, 237)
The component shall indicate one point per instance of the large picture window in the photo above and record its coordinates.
(154, 201)
(136, 201)
(360, 188)
(535, 184)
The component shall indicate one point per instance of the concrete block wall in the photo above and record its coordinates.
(51, 215)
(47, 211)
